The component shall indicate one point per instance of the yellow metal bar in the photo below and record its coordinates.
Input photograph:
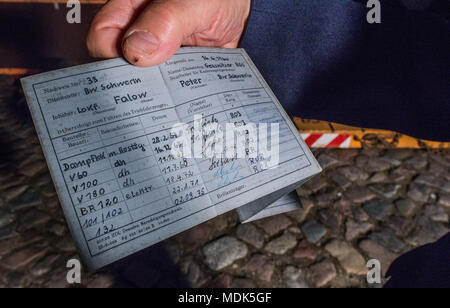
(363, 136)
(15, 71)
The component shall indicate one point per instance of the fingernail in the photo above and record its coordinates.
(142, 42)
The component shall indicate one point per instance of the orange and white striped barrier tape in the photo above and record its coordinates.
(327, 140)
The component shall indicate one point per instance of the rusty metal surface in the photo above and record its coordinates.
(354, 137)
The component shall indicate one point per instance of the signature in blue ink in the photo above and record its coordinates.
(228, 175)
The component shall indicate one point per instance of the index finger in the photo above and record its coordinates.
(105, 33)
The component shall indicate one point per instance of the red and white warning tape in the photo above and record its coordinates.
(327, 140)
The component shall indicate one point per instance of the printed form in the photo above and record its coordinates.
(107, 130)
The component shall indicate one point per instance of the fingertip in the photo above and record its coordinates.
(142, 48)
(90, 45)
(138, 46)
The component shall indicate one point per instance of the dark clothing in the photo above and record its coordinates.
(324, 61)
(425, 267)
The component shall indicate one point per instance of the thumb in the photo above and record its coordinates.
(159, 32)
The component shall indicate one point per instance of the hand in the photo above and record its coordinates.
(149, 32)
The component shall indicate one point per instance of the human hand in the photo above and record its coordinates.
(149, 32)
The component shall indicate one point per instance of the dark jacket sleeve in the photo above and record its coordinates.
(425, 267)
(324, 61)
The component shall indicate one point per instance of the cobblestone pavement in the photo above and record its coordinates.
(371, 203)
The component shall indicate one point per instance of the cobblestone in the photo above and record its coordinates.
(305, 252)
(419, 192)
(379, 177)
(441, 159)
(274, 225)
(406, 207)
(326, 198)
(223, 252)
(242, 283)
(313, 231)
(401, 226)
(347, 217)
(425, 232)
(251, 235)
(22, 258)
(222, 281)
(349, 258)
(354, 174)
(195, 237)
(378, 209)
(359, 214)
(282, 244)
(316, 184)
(399, 154)
(387, 191)
(388, 240)
(101, 282)
(436, 213)
(360, 194)
(327, 161)
(344, 206)
(66, 244)
(6, 219)
(261, 267)
(434, 182)
(192, 272)
(376, 251)
(294, 278)
(331, 220)
(34, 218)
(373, 164)
(301, 214)
(356, 229)
(418, 162)
(45, 265)
(340, 180)
(444, 200)
(323, 273)
(27, 199)
(402, 174)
